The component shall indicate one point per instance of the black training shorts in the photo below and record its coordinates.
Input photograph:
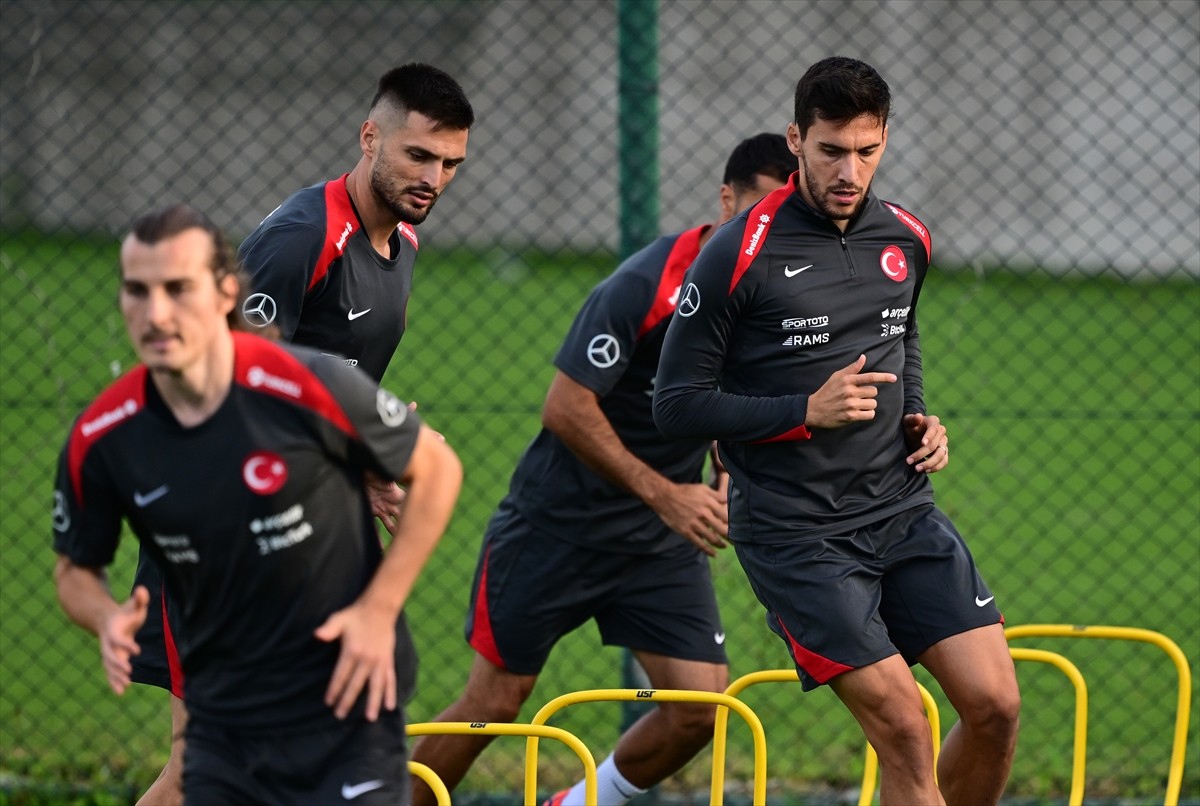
(356, 761)
(531, 589)
(845, 601)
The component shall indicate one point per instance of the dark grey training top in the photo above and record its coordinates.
(778, 300)
(612, 349)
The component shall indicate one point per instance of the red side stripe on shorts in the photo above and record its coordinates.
(173, 663)
(482, 638)
(819, 668)
(340, 224)
(683, 252)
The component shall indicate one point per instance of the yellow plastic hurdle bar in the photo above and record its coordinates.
(533, 732)
(723, 701)
(440, 793)
(1184, 699)
(790, 676)
(1079, 754)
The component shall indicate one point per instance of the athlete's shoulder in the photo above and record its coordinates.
(306, 206)
(746, 237)
(911, 223)
(298, 375)
(113, 407)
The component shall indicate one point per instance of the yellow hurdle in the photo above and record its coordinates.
(534, 732)
(1183, 701)
(723, 701)
(1079, 756)
(440, 793)
(790, 676)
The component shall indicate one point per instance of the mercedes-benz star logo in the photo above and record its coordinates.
(61, 514)
(259, 310)
(689, 303)
(604, 350)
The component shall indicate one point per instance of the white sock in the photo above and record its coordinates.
(611, 787)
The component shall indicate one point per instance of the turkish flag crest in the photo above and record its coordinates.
(894, 264)
(264, 472)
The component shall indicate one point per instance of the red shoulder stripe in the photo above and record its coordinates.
(758, 224)
(116, 404)
(914, 224)
(340, 224)
(409, 233)
(268, 368)
(683, 252)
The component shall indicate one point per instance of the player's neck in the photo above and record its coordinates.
(378, 222)
(195, 392)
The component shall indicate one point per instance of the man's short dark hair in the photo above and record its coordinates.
(839, 89)
(426, 89)
(167, 222)
(764, 154)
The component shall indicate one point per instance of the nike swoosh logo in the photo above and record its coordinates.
(719, 637)
(793, 272)
(350, 792)
(351, 315)
(981, 602)
(150, 497)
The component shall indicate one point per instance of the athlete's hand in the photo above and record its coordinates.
(367, 659)
(386, 498)
(926, 438)
(116, 638)
(696, 511)
(847, 397)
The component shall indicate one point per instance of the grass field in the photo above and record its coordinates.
(1074, 412)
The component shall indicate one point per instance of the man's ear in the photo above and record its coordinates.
(228, 286)
(368, 136)
(728, 203)
(794, 140)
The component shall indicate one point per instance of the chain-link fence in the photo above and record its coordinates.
(1052, 148)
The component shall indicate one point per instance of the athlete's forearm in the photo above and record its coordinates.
(84, 595)
(432, 481)
(573, 414)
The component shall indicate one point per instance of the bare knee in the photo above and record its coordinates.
(907, 729)
(495, 697)
(996, 715)
(693, 720)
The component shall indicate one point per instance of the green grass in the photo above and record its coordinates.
(1074, 414)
